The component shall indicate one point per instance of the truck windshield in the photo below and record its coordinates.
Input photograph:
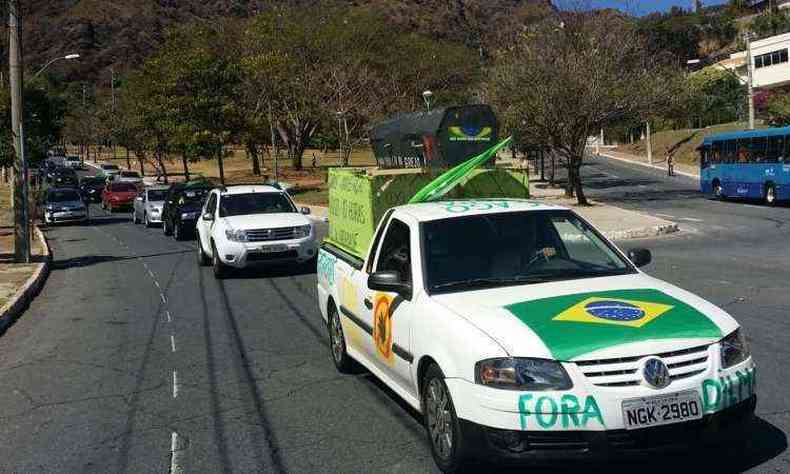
(254, 203)
(515, 249)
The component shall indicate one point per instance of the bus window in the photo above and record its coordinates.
(785, 155)
(759, 149)
(728, 151)
(775, 149)
(742, 155)
(715, 152)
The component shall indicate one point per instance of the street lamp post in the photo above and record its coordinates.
(44, 68)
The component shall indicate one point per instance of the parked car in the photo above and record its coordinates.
(129, 177)
(182, 208)
(73, 162)
(63, 177)
(109, 169)
(241, 226)
(92, 187)
(64, 205)
(148, 205)
(520, 333)
(118, 195)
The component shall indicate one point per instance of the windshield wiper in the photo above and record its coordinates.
(502, 281)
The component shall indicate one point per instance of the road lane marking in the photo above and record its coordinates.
(157, 284)
(162, 295)
(175, 384)
(175, 461)
(691, 219)
(169, 318)
(152, 274)
(668, 216)
(172, 343)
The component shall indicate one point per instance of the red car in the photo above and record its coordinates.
(118, 195)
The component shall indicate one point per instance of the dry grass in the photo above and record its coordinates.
(686, 142)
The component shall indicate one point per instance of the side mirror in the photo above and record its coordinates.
(389, 281)
(640, 257)
(305, 210)
(208, 216)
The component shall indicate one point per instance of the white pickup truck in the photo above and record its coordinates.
(520, 332)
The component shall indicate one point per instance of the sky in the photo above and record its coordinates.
(641, 7)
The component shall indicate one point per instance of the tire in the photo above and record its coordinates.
(220, 269)
(770, 194)
(202, 258)
(441, 423)
(717, 190)
(337, 342)
(166, 228)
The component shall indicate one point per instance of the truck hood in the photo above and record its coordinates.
(266, 221)
(596, 318)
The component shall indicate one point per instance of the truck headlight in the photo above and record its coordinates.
(302, 231)
(236, 235)
(734, 349)
(516, 373)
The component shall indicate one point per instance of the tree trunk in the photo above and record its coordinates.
(570, 184)
(581, 199)
(128, 162)
(254, 153)
(221, 167)
(185, 163)
(161, 162)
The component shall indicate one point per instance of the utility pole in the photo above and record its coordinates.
(112, 88)
(750, 78)
(21, 203)
(275, 152)
(649, 143)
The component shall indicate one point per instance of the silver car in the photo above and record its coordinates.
(64, 205)
(148, 205)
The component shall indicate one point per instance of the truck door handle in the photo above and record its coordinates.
(368, 304)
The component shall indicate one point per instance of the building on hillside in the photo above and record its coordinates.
(762, 5)
(770, 65)
(696, 5)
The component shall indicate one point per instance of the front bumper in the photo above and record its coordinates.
(245, 254)
(536, 446)
(66, 216)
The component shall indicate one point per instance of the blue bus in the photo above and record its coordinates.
(751, 164)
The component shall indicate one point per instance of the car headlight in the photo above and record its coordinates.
(189, 215)
(516, 373)
(734, 349)
(302, 231)
(236, 235)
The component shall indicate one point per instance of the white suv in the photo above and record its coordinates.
(241, 226)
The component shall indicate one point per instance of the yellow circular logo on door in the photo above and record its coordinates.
(382, 326)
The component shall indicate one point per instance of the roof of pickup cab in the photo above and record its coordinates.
(249, 188)
(430, 211)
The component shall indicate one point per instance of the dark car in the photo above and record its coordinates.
(182, 208)
(92, 187)
(63, 178)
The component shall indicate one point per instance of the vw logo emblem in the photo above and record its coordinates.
(656, 373)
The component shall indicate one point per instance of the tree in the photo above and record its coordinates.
(778, 110)
(564, 81)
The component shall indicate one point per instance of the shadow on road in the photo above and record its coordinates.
(274, 271)
(89, 260)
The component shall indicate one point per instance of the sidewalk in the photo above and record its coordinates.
(682, 169)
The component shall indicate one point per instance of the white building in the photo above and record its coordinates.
(770, 65)
(761, 5)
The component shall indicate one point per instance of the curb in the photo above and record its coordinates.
(10, 311)
(643, 232)
(648, 165)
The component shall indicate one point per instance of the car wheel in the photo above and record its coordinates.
(220, 269)
(166, 228)
(202, 258)
(770, 195)
(441, 423)
(337, 342)
(717, 190)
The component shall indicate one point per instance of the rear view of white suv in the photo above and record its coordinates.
(241, 226)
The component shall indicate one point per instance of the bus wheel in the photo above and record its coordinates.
(770, 195)
(717, 190)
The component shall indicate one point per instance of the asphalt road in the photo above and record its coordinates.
(134, 359)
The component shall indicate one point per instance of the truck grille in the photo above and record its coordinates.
(623, 371)
(266, 235)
